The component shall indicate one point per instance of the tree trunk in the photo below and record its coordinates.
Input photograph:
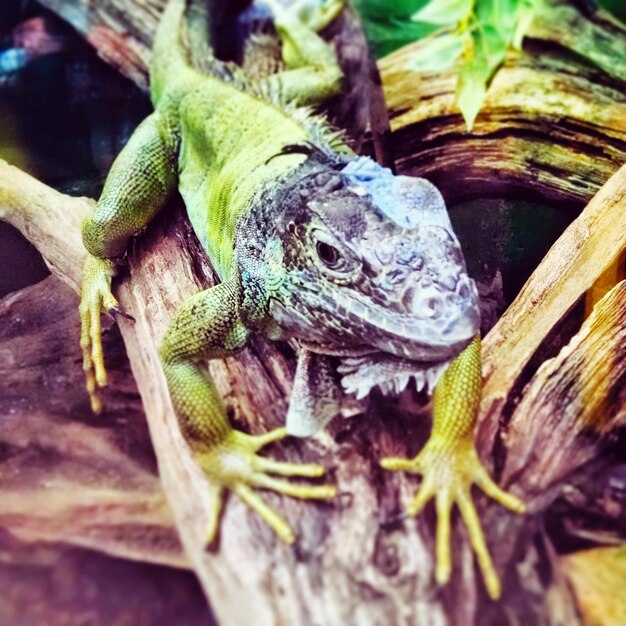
(354, 562)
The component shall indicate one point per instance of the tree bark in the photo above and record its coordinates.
(354, 562)
(552, 128)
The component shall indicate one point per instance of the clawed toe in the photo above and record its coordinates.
(234, 464)
(96, 298)
(448, 476)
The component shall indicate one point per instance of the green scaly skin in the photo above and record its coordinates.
(231, 152)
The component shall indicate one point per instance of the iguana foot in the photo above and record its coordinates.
(448, 474)
(95, 298)
(233, 464)
(316, 15)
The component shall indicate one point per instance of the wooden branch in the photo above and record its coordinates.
(577, 393)
(347, 565)
(338, 544)
(48, 217)
(593, 243)
(60, 585)
(588, 572)
(119, 30)
(69, 477)
(552, 128)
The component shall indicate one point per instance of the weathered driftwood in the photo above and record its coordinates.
(343, 553)
(592, 244)
(94, 483)
(591, 573)
(553, 126)
(58, 585)
(348, 566)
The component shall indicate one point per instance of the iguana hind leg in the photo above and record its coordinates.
(207, 326)
(449, 465)
(312, 72)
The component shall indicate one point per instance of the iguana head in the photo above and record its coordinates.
(358, 260)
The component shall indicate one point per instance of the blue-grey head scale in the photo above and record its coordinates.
(359, 260)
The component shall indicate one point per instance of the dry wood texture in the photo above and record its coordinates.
(56, 585)
(324, 550)
(94, 483)
(353, 564)
(553, 126)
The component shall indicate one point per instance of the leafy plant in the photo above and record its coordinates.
(388, 25)
(481, 31)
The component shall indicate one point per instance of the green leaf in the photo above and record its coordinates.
(472, 88)
(386, 37)
(385, 10)
(443, 12)
(388, 25)
(490, 45)
(439, 53)
(525, 15)
(497, 24)
(500, 15)
(485, 56)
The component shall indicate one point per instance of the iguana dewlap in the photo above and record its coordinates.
(310, 242)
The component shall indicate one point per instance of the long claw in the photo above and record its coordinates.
(265, 512)
(215, 509)
(508, 500)
(444, 560)
(96, 296)
(95, 403)
(321, 492)
(396, 464)
(118, 311)
(235, 465)
(448, 476)
(477, 539)
(95, 333)
(260, 441)
(425, 493)
(310, 470)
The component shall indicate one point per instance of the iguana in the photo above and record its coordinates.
(311, 242)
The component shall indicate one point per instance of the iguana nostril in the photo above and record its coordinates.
(428, 305)
(432, 306)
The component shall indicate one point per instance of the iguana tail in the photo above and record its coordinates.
(170, 61)
(182, 44)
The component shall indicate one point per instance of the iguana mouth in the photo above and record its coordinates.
(360, 374)
(338, 350)
(361, 368)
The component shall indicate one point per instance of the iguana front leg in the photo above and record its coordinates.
(207, 326)
(449, 465)
(139, 181)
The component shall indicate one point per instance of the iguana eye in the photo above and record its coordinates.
(329, 255)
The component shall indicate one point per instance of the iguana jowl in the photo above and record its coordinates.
(310, 242)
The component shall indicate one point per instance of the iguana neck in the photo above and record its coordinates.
(259, 250)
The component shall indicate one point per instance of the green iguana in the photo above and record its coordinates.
(310, 242)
